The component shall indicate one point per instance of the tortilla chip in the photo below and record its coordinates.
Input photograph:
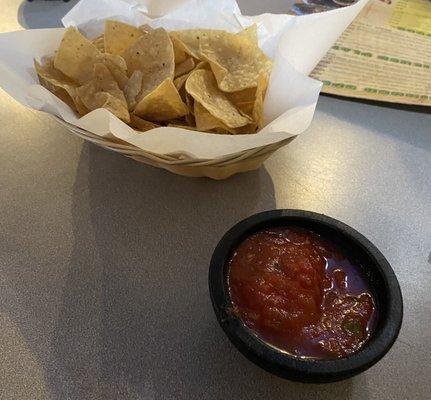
(246, 130)
(59, 92)
(162, 104)
(146, 28)
(258, 108)
(208, 123)
(55, 77)
(59, 84)
(202, 85)
(99, 42)
(120, 36)
(243, 96)
(180, 81)
(236, 60)
(185, 46)
(119, 76)
(251, 102)
(190, 101)
(77, 56)
(190, 119)
(80, 106)
(246, 108)
(116, 60)
(141, 124)
(244, 100)
(153, 54)
(133, 88)
(179, 54)
(203, 65)
(118, 68)
(204, 120)
(188, 40)
(103, 92)
(183, 94)
(185, 67)
(114, 105)
(250, 34)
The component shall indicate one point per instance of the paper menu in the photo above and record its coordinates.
(384, 55)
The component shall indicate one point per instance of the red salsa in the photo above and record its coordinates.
(301, 294)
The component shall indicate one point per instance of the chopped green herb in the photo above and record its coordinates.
(353, 327)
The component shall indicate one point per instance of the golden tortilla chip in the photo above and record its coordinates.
(244, 100)
(251, 102)
(202, 85)
(179, 54)
(204, 120)
(141, 124)
(250, 34)
(80, 106)
(208, 123)
(183, 93)
(178, 121)
(246, 108)
(183, 47)
(119, 76)
(103, 92)
(116, 60)
(133, 88)
(58, 92)
(188, 40)
(190, 119)
(120, 36)
(59, 84)
(118, 68)
(247, 130)
(190, 101)
(114, 105)
(162, 104)
(185, 67)
(258, 108)
(146, 28)
(203, 65)
(99, 42)
(77, 56)
(55, 77)
(243, 96)
(153, 54)
(180, 81)
(236, 60)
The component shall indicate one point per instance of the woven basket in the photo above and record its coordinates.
(217, 168)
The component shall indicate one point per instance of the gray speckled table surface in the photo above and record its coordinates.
(103, 261)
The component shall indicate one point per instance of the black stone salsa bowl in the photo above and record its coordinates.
(382, 280)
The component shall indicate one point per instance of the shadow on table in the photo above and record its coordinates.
(136, 320)
(385, 119)
(43, 13)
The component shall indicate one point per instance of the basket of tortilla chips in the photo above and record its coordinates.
(174, 92)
